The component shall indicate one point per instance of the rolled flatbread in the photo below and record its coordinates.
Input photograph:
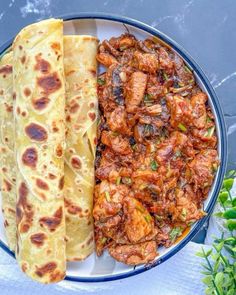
(81, 125)
(38, 82)
(7, 158)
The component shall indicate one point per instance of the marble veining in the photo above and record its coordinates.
(224, 80)
(179, 18)
(2, 14)
(11, 3)
(38, 7)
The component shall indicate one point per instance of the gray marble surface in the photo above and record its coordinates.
(205, 28)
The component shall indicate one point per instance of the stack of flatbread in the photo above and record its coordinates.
(48, 118)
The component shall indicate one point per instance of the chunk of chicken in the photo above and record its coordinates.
(168, 147)
(123, 42)
(179, 109)
(202, 168)
(135, 91)
(117, 121)
(201, 140)
(184, 209)
(119, 144)
(108, 46)
(165, 61)
(115, 85)
(183, 73)
(146, 62)
(199, 113)
(106, 59)
(105, 169)
(136, 254)
(154, 89)
(109, 198)
(153, 110)
(138, 221)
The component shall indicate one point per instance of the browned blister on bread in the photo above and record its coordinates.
(7, 159)
(39, 85)
(81, 123)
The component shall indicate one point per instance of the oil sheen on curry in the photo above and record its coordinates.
(157, 149)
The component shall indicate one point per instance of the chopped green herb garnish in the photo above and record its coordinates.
(101, 81)
(183, 214)
(187, 69)
(103, 240)
(208, 120)
(181, 84)
(214, 167)
(142, 186)
(191, 223)
(158, 217)
(115, 133)
(148, 218)
(108, 197)
(134, 147)
(147, 97)
(148, 129)
(153, 165)
(126, 180)
(165, 76)
(140, 209)
(177, 155)
(182, 127)
(118, 179)
(175, 232)
(122, 48)
(210, 132)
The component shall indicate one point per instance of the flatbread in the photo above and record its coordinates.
(81, 125)
(7, 158)
(38, 81)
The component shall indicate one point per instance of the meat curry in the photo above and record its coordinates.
(157, 149)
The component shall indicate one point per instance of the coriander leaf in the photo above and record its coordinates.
(210, 132)
(107, 196)
(175, 232)
(182, 127)
(153, 165)
(118, 179)
(101, 81)
(126, 180)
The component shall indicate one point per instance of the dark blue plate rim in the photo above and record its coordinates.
(222, 138)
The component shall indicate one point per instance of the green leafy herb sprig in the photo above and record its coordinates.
(220, 269)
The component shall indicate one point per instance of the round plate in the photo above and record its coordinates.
(104, 26)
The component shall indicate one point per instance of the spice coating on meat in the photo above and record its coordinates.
(156, 155)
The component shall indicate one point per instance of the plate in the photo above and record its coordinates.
(105, 268)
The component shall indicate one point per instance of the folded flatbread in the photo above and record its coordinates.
(81, 125)
(38, 82)
(7, 158)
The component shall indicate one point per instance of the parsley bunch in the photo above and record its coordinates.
(220, 269)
